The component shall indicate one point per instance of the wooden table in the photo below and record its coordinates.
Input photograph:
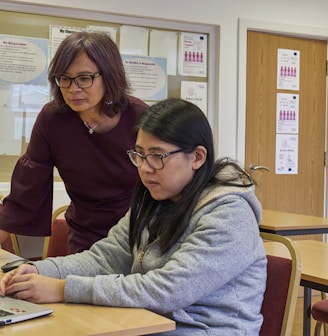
(290, 224)
(83, 319)
(314, 274)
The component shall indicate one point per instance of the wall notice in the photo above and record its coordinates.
(286, 153)
(288, 70)
(147, 76)
(23, 60)
(193, 55)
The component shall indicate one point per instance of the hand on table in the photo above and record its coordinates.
(25, 283)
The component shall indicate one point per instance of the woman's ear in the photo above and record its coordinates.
(200, 154)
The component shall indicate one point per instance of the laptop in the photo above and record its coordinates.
(15, 310)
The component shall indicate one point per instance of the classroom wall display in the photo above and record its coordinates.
(193, 54)
(196, 93)
(147, 76)
(151, 56)
(287, 111)
(23, 88)
(23, 60)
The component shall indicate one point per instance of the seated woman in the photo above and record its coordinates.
(188, 248)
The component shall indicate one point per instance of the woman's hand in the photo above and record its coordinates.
(25, 283)
(7, 278)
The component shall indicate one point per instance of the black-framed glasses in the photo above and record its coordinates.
(154, 160)
(81, 81)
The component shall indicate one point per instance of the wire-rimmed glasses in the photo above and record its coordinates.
(81, 81)
(154, 160)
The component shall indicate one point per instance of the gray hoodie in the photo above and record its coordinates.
(211, 282)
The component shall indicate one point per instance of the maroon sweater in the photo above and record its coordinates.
(97, 173)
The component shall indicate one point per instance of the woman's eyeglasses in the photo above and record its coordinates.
(81, 81)
(155, 161)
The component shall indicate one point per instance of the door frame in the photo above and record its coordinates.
(244, 25)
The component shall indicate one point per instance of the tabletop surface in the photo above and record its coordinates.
(83, 319)
(285, 221)
(314, 258)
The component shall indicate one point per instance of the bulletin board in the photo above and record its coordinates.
(176, 59)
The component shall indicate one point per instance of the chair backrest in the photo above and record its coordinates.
(7, 244)
(280, 297)
(56, 244)
(11, 243)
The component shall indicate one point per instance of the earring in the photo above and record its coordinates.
(107, 100)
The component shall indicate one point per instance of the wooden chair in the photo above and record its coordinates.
(7, 244)
(319, 313)
(280, 297)
(11, 244)
(56, 244)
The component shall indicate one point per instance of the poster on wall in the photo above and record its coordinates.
(164, 44)
(147, 76)
(23, 60)
(134, 40)
(23, 89)
(287, 113)
(286, 153)
(288, 69)
(196, 93)
(57, 34)
(193, 55)
(111, 31)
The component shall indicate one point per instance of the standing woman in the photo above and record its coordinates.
(84, 132)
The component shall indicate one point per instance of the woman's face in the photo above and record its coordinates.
(178, 171)
(85, 101)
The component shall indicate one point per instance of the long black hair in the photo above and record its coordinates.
(183, 124)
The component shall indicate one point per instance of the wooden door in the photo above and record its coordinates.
(303, 192)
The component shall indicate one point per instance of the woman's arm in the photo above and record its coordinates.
(220, 247)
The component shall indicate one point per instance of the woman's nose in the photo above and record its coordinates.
(146, 167)
(74, 86)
